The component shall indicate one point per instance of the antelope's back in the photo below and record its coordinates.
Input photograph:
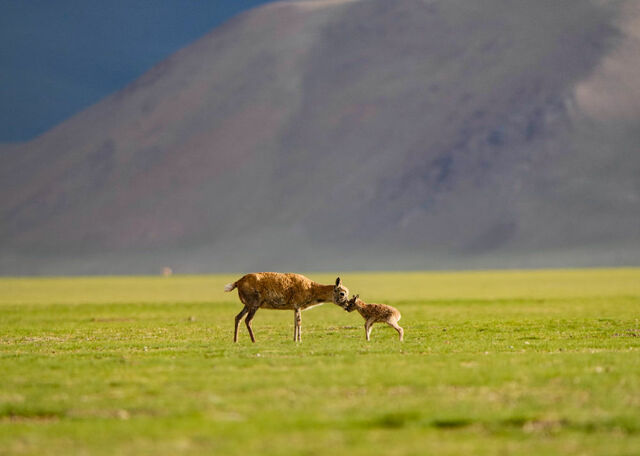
(274, 290)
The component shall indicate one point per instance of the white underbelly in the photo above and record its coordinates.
(313, 305)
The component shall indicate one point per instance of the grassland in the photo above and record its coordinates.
(539, 362)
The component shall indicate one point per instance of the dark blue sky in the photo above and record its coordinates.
(59, 56)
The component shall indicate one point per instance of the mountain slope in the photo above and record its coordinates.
(348, 134)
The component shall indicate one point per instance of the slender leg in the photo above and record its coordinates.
(367, 328)
(238, 318)
(298, 324)
(397, 327)
(247, 321)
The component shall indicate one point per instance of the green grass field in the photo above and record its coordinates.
(539, 362)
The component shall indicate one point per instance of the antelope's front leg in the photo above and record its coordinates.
(297, 325)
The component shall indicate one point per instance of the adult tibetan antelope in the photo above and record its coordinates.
(275, 290)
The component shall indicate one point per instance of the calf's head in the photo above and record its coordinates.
(350, 305)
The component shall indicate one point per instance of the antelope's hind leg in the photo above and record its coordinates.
(247, 322)
(238, 318)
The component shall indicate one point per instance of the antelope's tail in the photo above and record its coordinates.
(230, 286)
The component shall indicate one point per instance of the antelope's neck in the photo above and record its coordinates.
(323, 293)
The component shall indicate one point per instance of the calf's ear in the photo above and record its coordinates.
(338, 282)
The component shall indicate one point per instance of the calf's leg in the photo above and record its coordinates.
(397, 327)
(367, 328)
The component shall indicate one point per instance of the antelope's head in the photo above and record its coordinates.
(340, 293)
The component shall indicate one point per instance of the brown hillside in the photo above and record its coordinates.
(350, 134)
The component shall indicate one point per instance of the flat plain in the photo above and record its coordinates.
(493, 362)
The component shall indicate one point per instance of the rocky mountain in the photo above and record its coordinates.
(350, 134)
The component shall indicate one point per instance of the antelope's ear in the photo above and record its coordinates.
(338, 282)
(356, 297)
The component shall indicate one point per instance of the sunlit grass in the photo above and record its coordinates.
(540, 362)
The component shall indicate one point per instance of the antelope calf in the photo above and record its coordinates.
(274, 290)
(374, 313)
